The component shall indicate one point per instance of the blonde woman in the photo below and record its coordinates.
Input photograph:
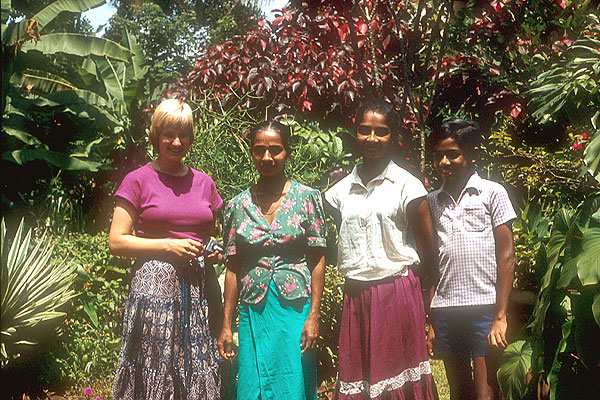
(164, 215)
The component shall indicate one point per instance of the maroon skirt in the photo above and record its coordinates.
(382, 352)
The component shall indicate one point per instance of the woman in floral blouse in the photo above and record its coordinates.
(275, 239)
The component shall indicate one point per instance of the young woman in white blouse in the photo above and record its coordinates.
(385, 237)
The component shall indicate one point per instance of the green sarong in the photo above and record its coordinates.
(270, 364)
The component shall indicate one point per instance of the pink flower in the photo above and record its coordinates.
(89, 391)
(289, 287)
(97, 398)
(585, 136)
(577, 146)
(309, 207)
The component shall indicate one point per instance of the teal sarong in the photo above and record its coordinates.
(270, 364)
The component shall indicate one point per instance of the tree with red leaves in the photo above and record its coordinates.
(321, 58)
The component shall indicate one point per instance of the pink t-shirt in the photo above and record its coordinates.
(169, 206)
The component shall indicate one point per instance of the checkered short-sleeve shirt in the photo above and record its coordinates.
(466, 245)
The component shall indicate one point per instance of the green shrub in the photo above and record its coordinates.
(92, 333)
(329, 326)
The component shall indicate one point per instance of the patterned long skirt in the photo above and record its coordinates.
(167, 351)
(382, 352)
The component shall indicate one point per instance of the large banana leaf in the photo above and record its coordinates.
(60, 160)
(41, 81)
(77, 44)
(54, 9)
(33, 290)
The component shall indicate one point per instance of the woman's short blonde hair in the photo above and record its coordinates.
(171, 113)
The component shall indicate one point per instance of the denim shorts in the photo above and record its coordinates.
(462, 331)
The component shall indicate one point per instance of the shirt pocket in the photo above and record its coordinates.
(474, 219)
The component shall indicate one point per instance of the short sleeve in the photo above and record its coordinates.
(130, 190)
(332, 198)
(501, 208)
(315, 228)
(229, 230)
(413, 189)
(215, 200)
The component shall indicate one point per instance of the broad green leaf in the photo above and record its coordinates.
(109, 75)
(514, 365)
(588, 262)
(90, 310)
(54, 9)
(567, 273)
(77, 44)
(138, 59)
(592, 156)
(559, 236)
(596, 308)
(41, 80)
(60, 160)
(23, 136)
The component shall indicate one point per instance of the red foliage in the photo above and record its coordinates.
(312, 62)
(317, 61)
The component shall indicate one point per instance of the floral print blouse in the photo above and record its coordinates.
(277, 251)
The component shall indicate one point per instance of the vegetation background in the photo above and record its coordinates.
(76, 110)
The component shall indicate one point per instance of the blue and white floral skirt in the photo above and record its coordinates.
(167, 351)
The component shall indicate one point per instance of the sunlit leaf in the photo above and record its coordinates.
(512, 374)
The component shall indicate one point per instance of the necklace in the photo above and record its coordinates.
(261, 199)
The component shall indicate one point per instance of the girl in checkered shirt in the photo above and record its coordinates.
(472, 220)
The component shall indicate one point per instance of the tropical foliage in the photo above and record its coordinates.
(91, 335)
(34, 290)
(70, 100)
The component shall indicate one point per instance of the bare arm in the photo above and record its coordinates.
(422, 227)
(231, 296)
(310, 331)
(419, 220)
(123, 243)
(505, 256)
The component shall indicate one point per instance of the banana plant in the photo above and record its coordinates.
(96, 84)
(34, 289)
